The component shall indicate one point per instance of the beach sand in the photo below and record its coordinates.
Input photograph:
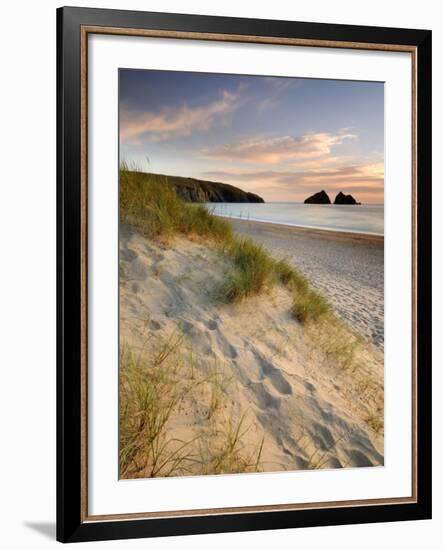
(348, 268)
(308, 411)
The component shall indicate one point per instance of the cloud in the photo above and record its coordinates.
(176, 121)
(265, 105)
(281, 83)
(365, 179)
(273, 150)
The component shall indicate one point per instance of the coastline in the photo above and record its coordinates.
(334, 234)
(348, 268)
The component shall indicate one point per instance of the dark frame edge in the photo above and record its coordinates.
(90, 16)
(424, 273)
(194, 525)
(68, 275)
(60, 524)
(70, 527)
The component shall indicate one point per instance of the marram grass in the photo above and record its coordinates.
(149, 203)
(155, 386)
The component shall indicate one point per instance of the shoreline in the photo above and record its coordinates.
(333, 234)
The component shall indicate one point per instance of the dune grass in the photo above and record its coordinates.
(253, 269)
(149, 203)
(149, 393)
(155, 387)
(230, 454)
(309, 305)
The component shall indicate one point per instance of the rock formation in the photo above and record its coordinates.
(318, 198)
(341, 198)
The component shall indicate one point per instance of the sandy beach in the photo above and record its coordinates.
(346, 267)
(250, 368)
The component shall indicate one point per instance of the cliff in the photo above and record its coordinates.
(195, 190)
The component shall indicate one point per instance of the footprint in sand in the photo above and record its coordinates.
(300, 463)
(265, 399)
(186, 326)
(232, 351)
(358, 459)
(322, 437)
(273, 375)
(201, 340)
(211, 324)
(333, 463)
(227, 348)
(128, 255)
(139, 269)
(310, 387)
(368, 449)
(154, 325)
(135, 288)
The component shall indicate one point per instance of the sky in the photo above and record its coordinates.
(282, 138)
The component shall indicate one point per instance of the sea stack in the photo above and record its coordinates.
(318, 198)
(341, 198)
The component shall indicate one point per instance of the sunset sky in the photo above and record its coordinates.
(282, 138)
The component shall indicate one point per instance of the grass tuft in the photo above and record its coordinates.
(290, 276)
(375, 422)
(336, 340)
(229, 453)
(253, 269)
(309, 306)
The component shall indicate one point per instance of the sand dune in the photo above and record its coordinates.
(311, 412)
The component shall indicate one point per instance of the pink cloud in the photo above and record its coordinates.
(277, 149)
(178, 121)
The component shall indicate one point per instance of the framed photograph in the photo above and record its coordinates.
(244, 274)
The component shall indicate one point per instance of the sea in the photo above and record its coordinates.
(368, 219)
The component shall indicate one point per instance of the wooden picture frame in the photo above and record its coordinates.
(74, 25)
